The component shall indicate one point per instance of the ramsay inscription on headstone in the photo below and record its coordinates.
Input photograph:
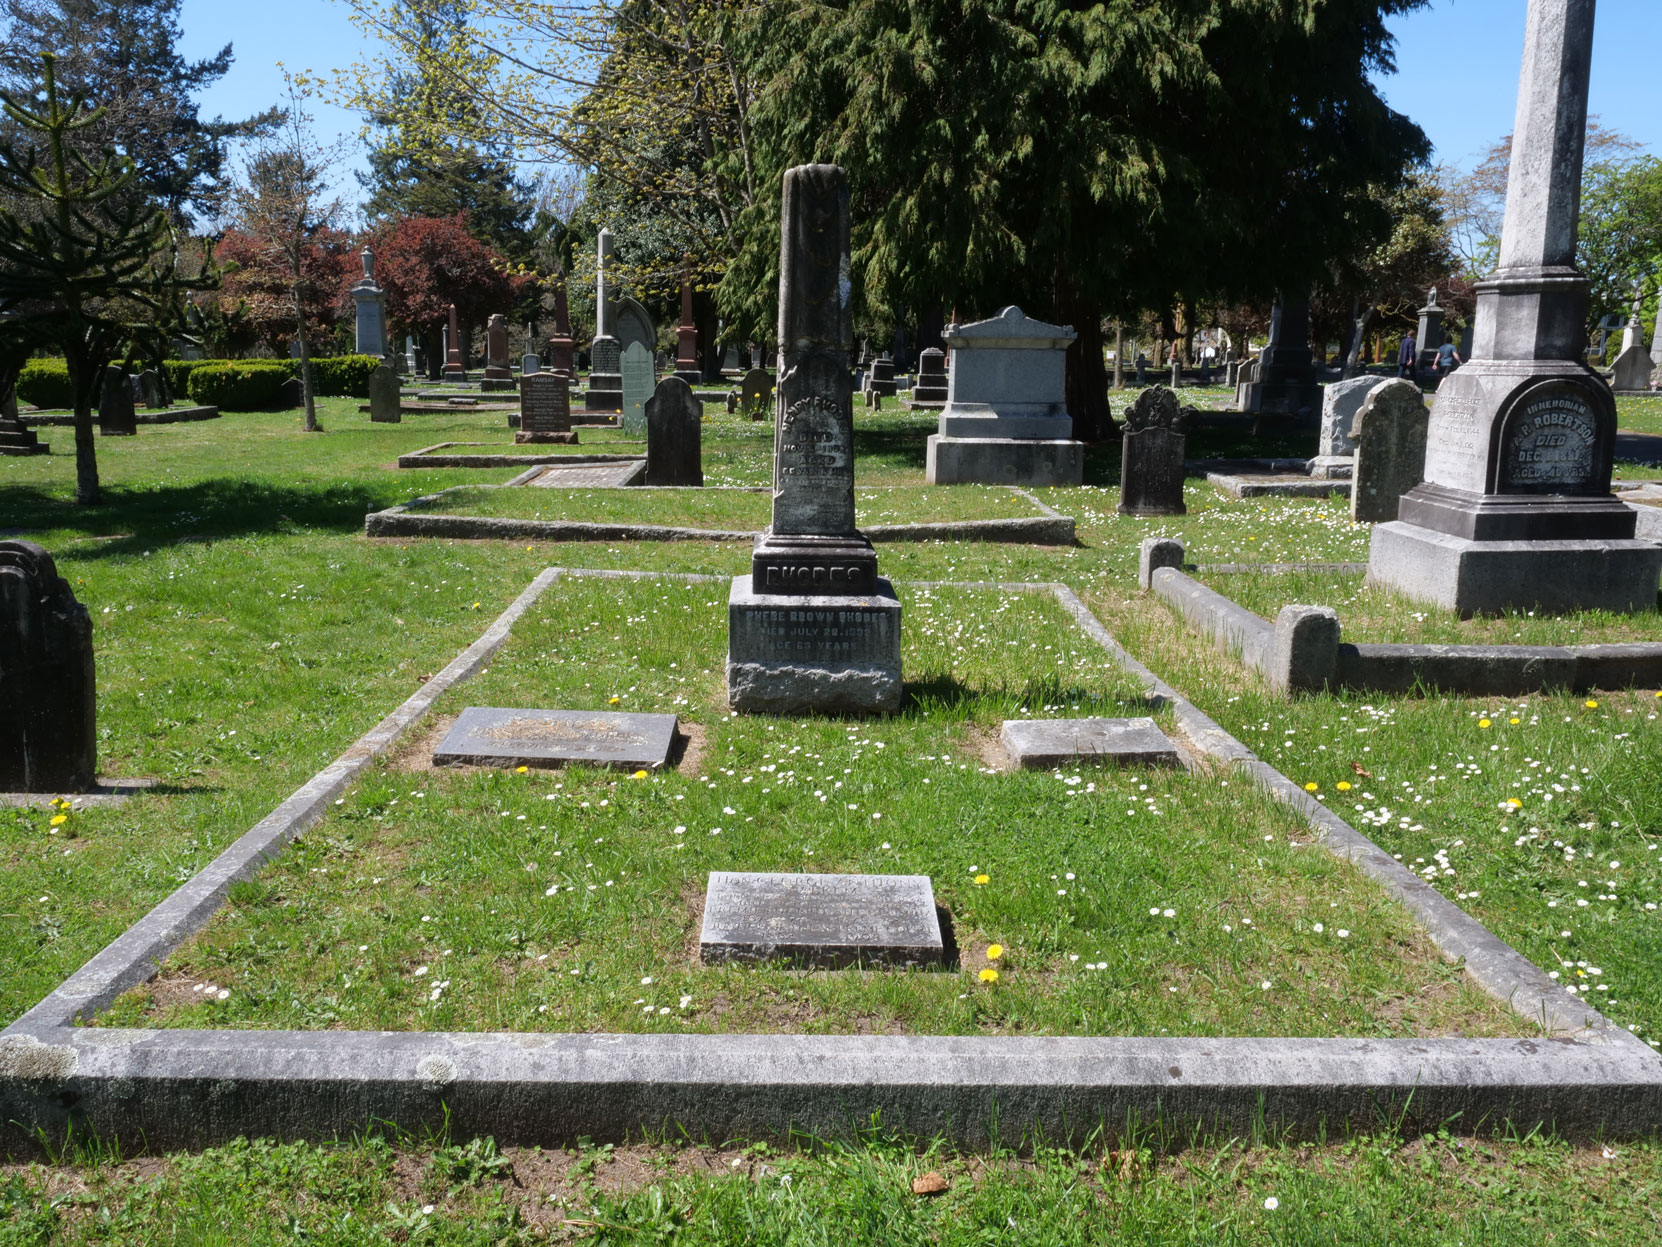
(545, 408)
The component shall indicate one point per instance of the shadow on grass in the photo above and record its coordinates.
(947, 696)
(206, 510)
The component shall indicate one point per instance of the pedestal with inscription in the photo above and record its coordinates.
(813, 629)
(1515, 511)
(545, 409)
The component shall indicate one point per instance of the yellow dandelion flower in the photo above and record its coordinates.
(1590, 704)
(1312, 787)
(982, 881)
(640, 774)
(994, 951)
(1514, 720)
(988, 976)
(1514, 803)
(521, 770)
(1483, 723)
(1343, 785)
(475, 606)
(612, 701)
(58, 820)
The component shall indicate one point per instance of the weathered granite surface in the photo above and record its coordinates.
(1044, 744)
(820, 922)
(492, 736)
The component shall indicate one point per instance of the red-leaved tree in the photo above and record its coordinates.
(258, 283)
(427, 263)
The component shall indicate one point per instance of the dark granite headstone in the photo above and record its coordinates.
(291, 393)
(881, 381)
(48, 737)
(384, 402)
(150, 388)
(545, 408)
(489, 736)
(674, 435)
(756, 394)
(115, 405)
(1151, 471)
(821, 922)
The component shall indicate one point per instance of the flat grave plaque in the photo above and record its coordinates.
(492, 736)
(1042, 744)
(821, 922)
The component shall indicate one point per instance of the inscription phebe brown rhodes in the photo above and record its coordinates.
(1552, 441)
(825, 633)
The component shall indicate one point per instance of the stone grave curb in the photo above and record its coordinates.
(179, 1088)
(1474, 670)
(179, 415)
(427, 458)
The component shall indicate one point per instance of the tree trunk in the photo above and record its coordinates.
(311, 425)
(1119, 354)
(1087, 380)
(1363, 313)
(87, 491)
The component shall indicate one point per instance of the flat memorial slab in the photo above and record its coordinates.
(590, 476)
(491, 736)
(1043, 744)
(821, 922)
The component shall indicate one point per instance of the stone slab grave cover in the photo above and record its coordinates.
(1006, 419)
(674, 435)
(1044, 744)
(545, 409)
(1521, 438)
(931, 386)
(756, 394)
(116, 417)
(384, 398)
(1390, 434)
(1335, 446)
(637, 384)
(48, 705)
(821, 922)
(1151, 471)
(493, 736)
(813, 628)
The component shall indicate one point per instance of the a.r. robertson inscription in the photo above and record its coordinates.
(1551, 444)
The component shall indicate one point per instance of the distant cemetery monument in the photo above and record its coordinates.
(813, 629)
(1515, 512)
(371, 303)
(1283, 393)
(686, 335)
(606, 353)
(454, 368)
(1006, 418)
(498, 376)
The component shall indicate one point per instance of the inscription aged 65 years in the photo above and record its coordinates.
(1552, 442)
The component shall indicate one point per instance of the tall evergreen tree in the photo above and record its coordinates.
(124, 54)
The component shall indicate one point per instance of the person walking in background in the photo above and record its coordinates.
(1405, 357)
(1448, 359)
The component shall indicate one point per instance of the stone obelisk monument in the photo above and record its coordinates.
(813, 628)
(606, 354)
(1515, 511)
(686, 337)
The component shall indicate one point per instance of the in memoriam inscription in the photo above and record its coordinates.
(1551, 444)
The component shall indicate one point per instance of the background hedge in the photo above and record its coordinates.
(239, 385)
(45, 383)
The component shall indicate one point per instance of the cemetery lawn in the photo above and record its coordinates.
(1124, 902)
(1424, 1185)
(725, 509)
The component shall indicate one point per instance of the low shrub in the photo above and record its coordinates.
(239, 385)
(45, 383)
(344, 376)
(177, 372)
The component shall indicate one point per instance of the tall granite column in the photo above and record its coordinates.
(560, 355)
(686, 349)
(454, 368)
(813, 628)
(1515, 511)
(1284, 393)
(606, 354)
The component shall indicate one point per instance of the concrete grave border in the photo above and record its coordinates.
(400, 520)
(1302, 650)
(428, 457)
(156, 1089)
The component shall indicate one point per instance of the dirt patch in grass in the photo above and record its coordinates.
(983, 744)
(691, 742)
(415, 754)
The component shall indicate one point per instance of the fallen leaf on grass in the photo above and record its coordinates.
(1125, 1161)
(930, 1183)
(1357, 767)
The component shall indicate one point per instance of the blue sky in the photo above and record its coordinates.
(1457, 64)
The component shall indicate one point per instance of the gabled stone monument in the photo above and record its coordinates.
(632, 323)
(1515, 512)
(1632, 369)
(48, 729)
(1430, 334)
(813, 629)
(606, 352)
(1006, 417)
(1335, 446)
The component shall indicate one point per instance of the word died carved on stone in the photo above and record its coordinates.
(1551, 443)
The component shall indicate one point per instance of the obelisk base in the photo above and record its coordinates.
(1491, 577)
(1003, 461)
(801, 654)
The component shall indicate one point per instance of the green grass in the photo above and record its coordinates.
(1127, 903)
(726, 509)
(1430, 1187)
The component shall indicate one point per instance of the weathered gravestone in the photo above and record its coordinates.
(674, 435)
(1283, 393)
(1389, 433)
(634, 324)
(931, 386)
(1335, 447)
(813, 628)
(48, 738)
(638, 379)
(498, 376)
(545, 409)
(882, 382)
(606, 352)
(1044, 744)
(492, 736)
(150, 389)
(756, 394)
(1515, 511)
(384, 404)
(1151, 470)
(529, 363)
(291, 393)
(821, 922)
(15, 439)
(115, 405)
(1633, 366)
(455, 369)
